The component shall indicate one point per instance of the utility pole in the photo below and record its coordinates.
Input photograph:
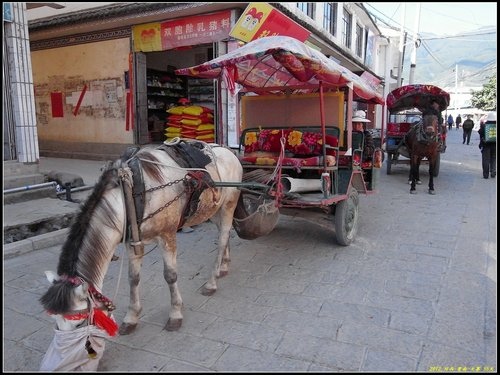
(402, 41)
(456, 86)
(415, 46)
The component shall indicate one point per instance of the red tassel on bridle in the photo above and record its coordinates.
(103, 321)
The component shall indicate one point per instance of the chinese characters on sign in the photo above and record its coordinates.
(182, 32)
(195, 30)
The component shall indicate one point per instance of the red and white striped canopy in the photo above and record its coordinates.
(282, 62)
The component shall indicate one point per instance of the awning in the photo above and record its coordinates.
(280, 62)
(416, 96)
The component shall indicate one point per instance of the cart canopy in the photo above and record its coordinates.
(416, 96)
(279, 63)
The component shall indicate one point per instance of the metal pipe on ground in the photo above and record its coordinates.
(74, 190)
(30, 187)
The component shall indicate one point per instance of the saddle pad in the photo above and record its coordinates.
(187, 154)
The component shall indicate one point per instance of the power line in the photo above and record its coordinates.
(426, 47)
(449, 79)
(398, 27)
(459, 36)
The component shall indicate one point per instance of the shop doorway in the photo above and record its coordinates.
(158, 89)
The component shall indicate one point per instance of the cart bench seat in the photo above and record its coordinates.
(303, 147)
(398, 129)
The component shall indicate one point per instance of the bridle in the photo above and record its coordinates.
(98, 311)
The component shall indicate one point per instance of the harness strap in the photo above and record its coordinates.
(198, 182)
(126, 176)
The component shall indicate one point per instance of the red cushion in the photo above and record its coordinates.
(270, 139)
(297, 142)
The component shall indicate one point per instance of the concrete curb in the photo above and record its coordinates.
(28, 245)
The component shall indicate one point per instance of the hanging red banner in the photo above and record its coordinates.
(56, 101)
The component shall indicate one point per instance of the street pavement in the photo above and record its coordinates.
(416, 291)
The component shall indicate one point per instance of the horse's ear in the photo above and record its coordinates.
(51, 276)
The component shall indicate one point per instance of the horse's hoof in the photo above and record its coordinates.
(419, 182)
(413, 192)
(432, 192)
(208, 291)
(126, 329)
(173, 324)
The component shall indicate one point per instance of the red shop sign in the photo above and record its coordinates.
(195, 30)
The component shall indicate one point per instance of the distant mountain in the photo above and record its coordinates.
(474, 53)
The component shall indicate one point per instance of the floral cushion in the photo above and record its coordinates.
(296, 142)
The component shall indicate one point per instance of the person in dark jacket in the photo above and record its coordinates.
(467, 127)
(458, 121)
(433, 109)
(359, 121)
(488, 148)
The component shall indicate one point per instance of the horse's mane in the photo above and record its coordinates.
(85, 249)
(153, 169)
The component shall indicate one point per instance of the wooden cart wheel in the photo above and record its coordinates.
(347, 218)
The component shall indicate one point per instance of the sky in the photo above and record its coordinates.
(438, 18)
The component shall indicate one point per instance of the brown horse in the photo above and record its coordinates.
(422, 141)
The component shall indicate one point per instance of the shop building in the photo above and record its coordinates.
(103, 77)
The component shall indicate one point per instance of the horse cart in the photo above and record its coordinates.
(298, 151)
(298, 155)
(406, 105)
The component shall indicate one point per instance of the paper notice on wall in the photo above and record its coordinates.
(75, 96)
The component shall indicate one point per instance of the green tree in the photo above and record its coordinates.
(486, 98)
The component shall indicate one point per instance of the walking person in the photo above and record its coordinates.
(488, 145)
(450, 121)
(458, 121)
(467, 127)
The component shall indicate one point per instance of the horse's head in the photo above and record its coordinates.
(67, 301)
(72, 302)
(430, 124)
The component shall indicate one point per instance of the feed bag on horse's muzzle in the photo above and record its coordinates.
(69, 350)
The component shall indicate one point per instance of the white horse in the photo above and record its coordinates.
(173, 195)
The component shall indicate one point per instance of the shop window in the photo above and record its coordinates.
(346, 28)
(308, 8)
(330, 18)
(359, 40)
